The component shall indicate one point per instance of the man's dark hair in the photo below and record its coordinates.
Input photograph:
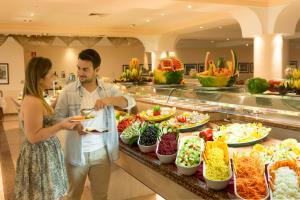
(90, 55)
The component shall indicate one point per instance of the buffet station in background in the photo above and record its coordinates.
(213, 140)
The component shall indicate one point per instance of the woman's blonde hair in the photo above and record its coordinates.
(37, 69)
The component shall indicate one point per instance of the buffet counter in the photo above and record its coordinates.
(282, 114)
(166, 181)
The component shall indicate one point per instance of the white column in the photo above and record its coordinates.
(268, 56)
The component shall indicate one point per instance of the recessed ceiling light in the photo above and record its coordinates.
(148, 20)
(247, 44)
(201, 27)
(162, 14)
(212, 41)
(31, 14)
(220, 27)
(227, 39)
(189, 6)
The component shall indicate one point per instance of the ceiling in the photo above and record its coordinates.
(126, 18)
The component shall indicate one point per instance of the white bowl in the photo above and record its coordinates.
(187, 170)
(147, 149)
(124, 140)
(165, 158)
(217, 184)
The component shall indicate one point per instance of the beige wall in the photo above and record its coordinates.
(12, 52)
(65, 58)
(197, 55)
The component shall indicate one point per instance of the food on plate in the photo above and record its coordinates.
(220, 75)
(165, 127)
(149, 135)
(169, 71)
(216, 159)
(82, 117)
(284, 179)
(241, 133)
(189, 120)
(286, 150)
(206, 134)
(189, 153)
(121, 115)
(250, 181)
(151, 114)
(168, 144)
(132, 132)
(257, 85)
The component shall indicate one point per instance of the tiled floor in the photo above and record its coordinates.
(10, 140)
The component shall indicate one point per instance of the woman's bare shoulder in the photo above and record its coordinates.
(31, 101)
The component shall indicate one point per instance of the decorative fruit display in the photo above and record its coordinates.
(296, 86)
(257, 85)
(296, 74)
(168, 144)
(133, 74)
(149, 135)
(273, 85)
(216, 157)
(220, 75)
(285, 87)
(284, 179)
(189, 153)
(156, 110)
(152, 114)
(189, 120)
(241, 134)
(206, 135)
(169, 71)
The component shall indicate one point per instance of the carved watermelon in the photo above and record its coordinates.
(168, 77)
(217, 81)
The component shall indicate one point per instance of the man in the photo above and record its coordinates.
(91, 154)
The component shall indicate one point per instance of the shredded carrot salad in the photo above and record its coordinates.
(250, 182)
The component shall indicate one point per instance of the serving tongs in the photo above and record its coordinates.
(86, 111)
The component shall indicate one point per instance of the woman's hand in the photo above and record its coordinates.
(68, 125)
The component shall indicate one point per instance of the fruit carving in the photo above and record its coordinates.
(221, 75)
(134, 73)
(156, 110)
(169, 71)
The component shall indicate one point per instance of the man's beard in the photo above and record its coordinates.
(86, 80)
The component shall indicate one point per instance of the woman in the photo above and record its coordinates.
(40, 169)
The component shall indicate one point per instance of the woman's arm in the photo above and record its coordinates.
(32, 111)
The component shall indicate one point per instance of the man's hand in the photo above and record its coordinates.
(100, 104)
(120, 102)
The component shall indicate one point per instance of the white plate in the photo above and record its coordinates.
(80, 120)
(94, 131)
